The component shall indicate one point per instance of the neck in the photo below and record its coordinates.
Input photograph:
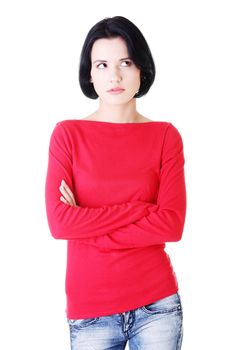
(117, 113)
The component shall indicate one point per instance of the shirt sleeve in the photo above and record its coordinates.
(76, 222)
(165, 221)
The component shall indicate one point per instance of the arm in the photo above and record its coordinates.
(76, 222)
(165, 221)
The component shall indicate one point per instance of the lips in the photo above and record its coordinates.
(116, 89)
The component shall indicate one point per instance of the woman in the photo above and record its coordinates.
(115, 190)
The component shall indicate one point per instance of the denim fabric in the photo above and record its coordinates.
(156, 326)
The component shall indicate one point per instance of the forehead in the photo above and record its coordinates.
(109, 48)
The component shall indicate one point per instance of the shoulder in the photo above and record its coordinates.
(172, 130)
(66, 127)
(67, 123)
(172, 137)
(163, 127)
(64, 131)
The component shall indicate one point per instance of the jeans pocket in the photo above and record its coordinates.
(81, 322)
(169, 304)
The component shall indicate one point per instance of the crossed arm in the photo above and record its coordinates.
(127, 225)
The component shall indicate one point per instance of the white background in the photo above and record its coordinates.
(191, 42)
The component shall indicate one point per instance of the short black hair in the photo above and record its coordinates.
(138, 49)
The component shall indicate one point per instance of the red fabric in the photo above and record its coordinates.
(129, 184)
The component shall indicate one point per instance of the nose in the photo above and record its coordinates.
(115, 75)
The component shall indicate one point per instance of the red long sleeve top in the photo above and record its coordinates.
(129, 186)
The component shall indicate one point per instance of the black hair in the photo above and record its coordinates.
(138, 49)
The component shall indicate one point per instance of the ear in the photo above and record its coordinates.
(90, 79)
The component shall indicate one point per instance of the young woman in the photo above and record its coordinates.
(115, 190)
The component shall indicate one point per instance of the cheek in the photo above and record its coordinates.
(134, 79)
(97, 80)
(135, 75)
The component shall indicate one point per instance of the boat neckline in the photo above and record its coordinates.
(101, 122)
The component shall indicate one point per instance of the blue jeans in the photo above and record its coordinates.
(156, 326)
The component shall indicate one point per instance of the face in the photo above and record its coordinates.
(111, 67)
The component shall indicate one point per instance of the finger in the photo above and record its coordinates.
(68, 190)
(64, 200)
(66, 195)
(70, 200)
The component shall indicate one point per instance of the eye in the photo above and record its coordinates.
(128, 63)
(99, 65)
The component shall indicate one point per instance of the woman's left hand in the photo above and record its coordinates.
(67, 195)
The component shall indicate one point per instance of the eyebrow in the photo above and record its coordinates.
(122, 59)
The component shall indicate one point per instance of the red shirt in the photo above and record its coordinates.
(129, 186)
